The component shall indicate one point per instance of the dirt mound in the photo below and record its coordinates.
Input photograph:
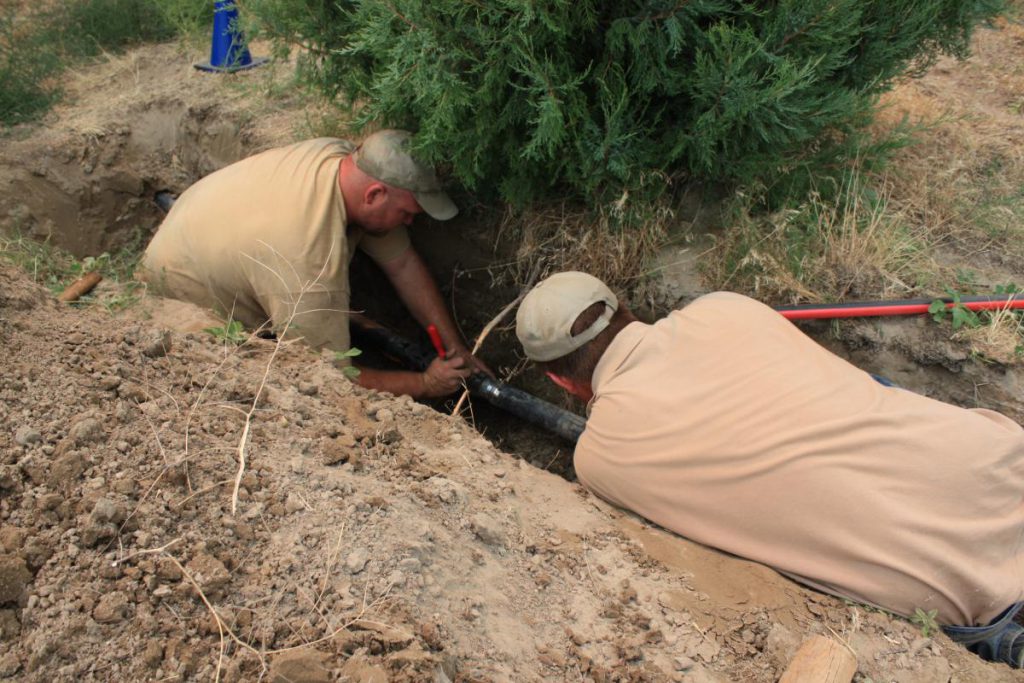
(373, 539)
(137, 124)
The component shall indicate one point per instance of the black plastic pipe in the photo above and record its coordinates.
(517, 402)
(165, 200)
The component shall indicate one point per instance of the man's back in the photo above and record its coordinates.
(266, 237)
(726, 424)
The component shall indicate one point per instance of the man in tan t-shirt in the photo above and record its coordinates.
(726, 424)
(267, 241)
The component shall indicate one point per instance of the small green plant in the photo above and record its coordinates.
(129, 295)
(55, 269)
(56, 282)
(232, 332)
(350, 371)
(962, 316)
(994, 335)
(926, 620)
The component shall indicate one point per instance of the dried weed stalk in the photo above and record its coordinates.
(261, 654)
(304, 288)
(494, 322)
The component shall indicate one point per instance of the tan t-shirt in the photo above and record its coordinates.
(726, 424)
(265, 239)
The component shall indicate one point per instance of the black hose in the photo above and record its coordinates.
(370, 335)
(517, 402)
(567, 425)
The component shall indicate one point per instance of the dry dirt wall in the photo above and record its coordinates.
(130, 127)
(88, 192)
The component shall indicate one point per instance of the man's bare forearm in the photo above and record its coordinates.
(418, 291)
(397, 382)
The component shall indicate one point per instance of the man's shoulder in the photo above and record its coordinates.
(721, 298)
(312, 146)
(274, 161)
(725, 308)
(339, 144)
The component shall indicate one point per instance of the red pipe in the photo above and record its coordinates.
(862, 309)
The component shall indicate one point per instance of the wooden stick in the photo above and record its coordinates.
(483, 335)
(80, 287)
(821, 660)
(494, 323)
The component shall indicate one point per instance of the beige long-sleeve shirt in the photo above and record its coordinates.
(267, 239)
(726, 424)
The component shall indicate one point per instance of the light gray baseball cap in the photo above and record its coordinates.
(384, 155)
(544, 320)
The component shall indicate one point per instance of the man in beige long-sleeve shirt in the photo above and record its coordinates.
(726, 424)
(267, 241)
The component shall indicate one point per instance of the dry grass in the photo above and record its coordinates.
(964, 180)
(1000, 340)
(963, 183)
(847, 248)
(162, 76)
(563, 237)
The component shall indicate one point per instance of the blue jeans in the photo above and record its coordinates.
(884, 381)
(1001, 641)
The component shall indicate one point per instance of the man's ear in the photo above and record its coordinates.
(374, 194)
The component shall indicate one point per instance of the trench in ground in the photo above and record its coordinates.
(95, 194)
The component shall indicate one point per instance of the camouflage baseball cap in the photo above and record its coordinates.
(384, 155)
(545, 318)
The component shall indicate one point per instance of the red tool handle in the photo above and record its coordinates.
(435, 339)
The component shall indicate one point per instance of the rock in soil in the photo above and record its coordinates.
(26, 436)
(14, 579)
(300, 666)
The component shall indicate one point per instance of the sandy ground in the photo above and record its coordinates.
(373, 539)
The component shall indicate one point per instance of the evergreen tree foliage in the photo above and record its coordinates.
(533, 99)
